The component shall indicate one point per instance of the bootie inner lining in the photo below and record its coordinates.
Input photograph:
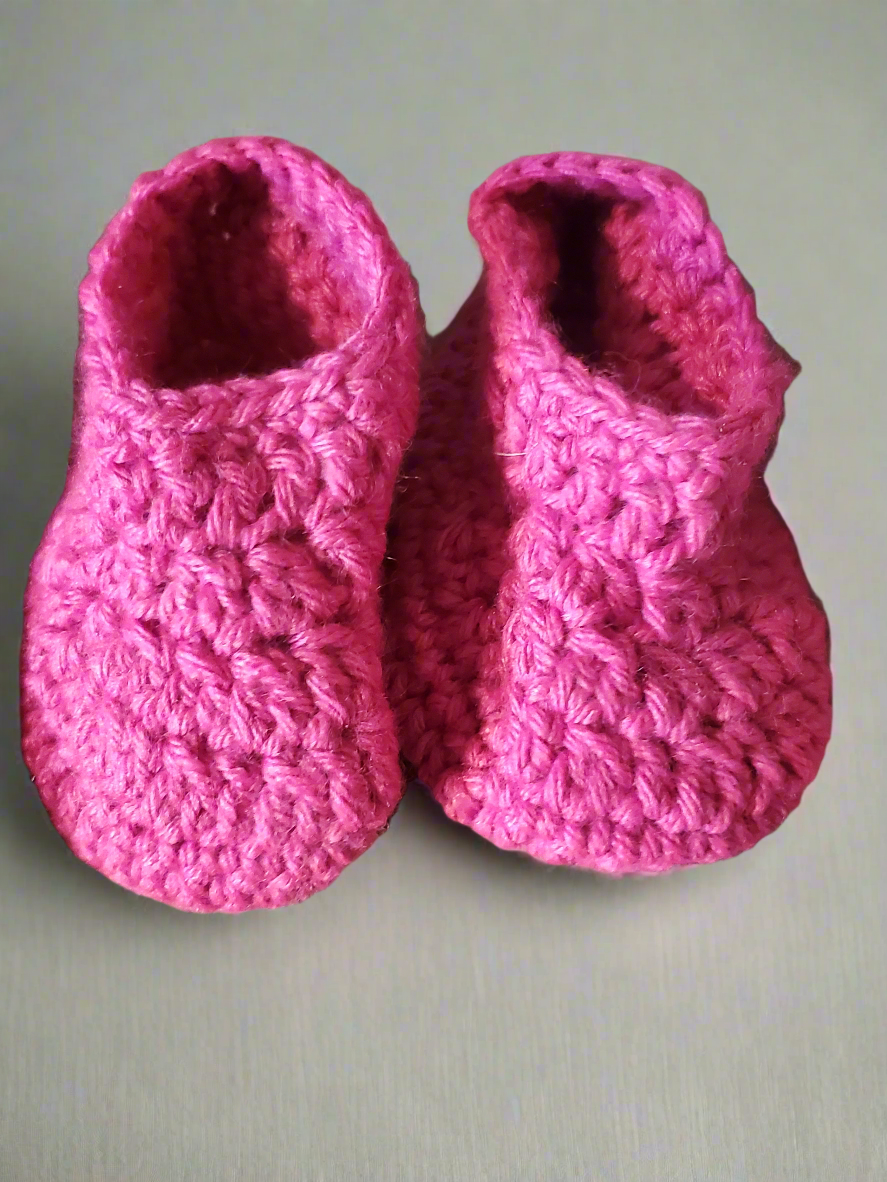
(626, 294)
(211, 279)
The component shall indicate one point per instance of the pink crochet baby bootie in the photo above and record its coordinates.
(202, 698)
(606, 652)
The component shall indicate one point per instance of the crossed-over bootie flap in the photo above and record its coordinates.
(604, 651)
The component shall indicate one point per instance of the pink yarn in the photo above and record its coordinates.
(604, 650)
(202, 693)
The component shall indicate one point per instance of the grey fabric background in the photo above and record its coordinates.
(447, 1011)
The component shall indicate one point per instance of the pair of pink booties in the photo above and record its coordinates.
(535, 553)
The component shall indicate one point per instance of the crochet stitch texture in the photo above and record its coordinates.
(604, 651)
(202, 693)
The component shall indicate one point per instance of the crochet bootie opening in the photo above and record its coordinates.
(211, 280)
(624, 292)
